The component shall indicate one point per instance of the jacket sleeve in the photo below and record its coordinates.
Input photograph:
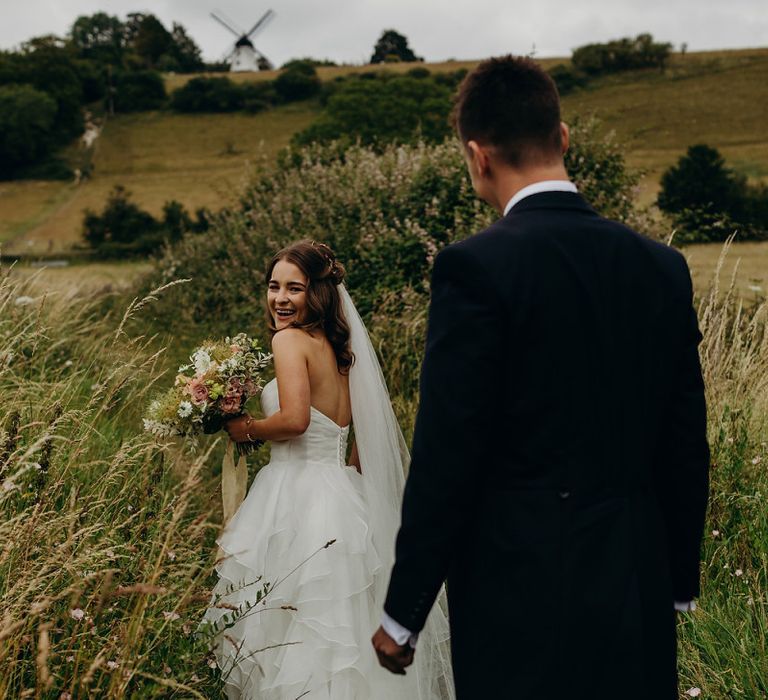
(682, 467)
(460, 386)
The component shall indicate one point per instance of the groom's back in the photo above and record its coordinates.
(593, 313)
(578, 527)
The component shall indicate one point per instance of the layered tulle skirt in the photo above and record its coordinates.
(296, 603)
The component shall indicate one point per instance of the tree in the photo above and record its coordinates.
(393, 46)
(137, 91)
(26, 126)
(700, 180)
(707, 201)
(50, 66)
(185, 52)
(99, 37)
(151, 40)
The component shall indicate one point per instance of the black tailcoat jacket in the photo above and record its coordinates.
(559, 475)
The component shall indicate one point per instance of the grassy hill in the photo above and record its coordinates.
(714, 97)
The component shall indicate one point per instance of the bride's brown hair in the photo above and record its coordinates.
(318, 262)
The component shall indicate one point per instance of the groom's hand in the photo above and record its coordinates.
(392, 656)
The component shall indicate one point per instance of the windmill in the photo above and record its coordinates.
(244, 56)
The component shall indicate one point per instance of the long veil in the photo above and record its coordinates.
(384, 457)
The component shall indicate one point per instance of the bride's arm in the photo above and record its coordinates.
(292, 419)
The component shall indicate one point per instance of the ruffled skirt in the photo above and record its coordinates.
(295, 606)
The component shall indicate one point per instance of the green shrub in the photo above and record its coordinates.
(27, 119)
(300, 82)
(138, 91)
(203, 94)
(386, 214)
(383, 109)
(621, 54)
(567, 78)
(124, 229)
(707, 201)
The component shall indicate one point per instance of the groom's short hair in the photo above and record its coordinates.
(511, 104)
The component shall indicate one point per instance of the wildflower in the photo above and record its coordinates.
(71, 659)
(211, 662)
(185, 409)
(65, 696)
(167, 670)
(756, 459)
(76, 614)
(202, 362)
(715, 533)
(693, 692)
(112, 665)
(170, 616)
(738, 572)
(171, 555)
(68, 363)
(23, 300)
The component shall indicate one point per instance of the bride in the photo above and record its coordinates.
(309, 552)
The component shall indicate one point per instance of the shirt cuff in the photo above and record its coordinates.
(685, 605)
(400, 634)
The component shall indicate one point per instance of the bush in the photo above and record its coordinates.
(27, 119)
(567, 78)
(621, 54)
(139, 91)
(207, 95)
(707, 201)
(124, 229)
(385, 214)
(383, 109)
(300, 82)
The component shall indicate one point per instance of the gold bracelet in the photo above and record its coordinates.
(248, 432)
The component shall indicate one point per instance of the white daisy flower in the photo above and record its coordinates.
(185, 409)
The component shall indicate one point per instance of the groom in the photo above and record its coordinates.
(560, 466)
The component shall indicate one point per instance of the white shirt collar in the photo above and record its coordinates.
(537, 187)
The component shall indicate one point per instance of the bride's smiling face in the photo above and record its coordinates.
(287, 294)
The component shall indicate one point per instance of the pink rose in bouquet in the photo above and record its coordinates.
(197, 390)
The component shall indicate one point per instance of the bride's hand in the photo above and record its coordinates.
(238, 429)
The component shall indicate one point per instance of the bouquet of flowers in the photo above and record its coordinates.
(214, 387)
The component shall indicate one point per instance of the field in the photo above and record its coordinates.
(108, 538)
(197, 160)
(714, 97)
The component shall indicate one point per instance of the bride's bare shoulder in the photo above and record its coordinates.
(290, 340)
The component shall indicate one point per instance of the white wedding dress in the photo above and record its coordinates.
(309, 637)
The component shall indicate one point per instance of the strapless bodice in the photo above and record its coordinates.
(324, 442)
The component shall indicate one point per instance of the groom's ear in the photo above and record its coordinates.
(565, 136)
(479, 158)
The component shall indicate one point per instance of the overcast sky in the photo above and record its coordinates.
(346, 30)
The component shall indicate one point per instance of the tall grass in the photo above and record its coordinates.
(724, 644)
(106, 540)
